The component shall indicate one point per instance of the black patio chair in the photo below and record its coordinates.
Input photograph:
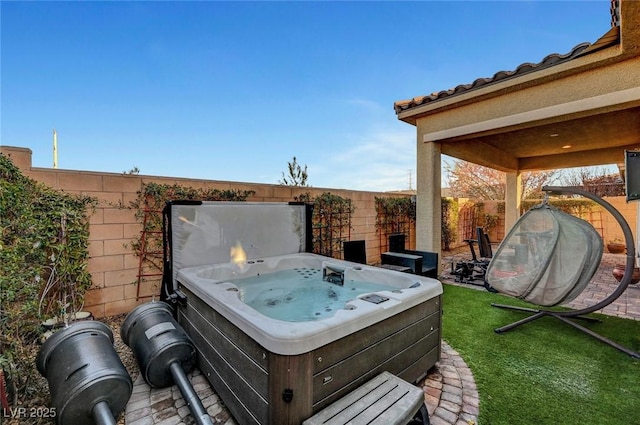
(473, 272)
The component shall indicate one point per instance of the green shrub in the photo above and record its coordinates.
(331, 223)
(395, 215)
(449, 222)
(43, 267)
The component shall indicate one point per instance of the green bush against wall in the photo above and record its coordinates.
(43, 267)
(331, 223)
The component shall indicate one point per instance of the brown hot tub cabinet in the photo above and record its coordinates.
(262, 387)
(263, 374)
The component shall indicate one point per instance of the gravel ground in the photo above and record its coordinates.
(40, 400)
(125, 353)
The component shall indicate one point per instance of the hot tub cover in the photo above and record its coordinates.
(547, 258)
(209, 232)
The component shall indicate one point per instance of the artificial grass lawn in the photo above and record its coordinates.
(543, 372)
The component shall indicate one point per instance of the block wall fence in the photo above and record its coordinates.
(114, 267)
(601, 219)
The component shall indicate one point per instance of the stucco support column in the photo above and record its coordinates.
(428, 207)
(513, 194)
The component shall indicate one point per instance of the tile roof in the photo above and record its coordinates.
(610, 38)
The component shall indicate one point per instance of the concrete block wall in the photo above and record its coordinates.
(114, 267)
(611, 228)
(601, 219)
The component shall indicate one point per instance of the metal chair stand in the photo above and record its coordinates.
(566, 316)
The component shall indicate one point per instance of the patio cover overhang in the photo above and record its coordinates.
(578, 109)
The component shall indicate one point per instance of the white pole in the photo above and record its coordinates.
(55, 149)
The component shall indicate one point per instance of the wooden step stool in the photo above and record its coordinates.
(384, 400)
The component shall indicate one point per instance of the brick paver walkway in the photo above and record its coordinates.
(450, 391)
(450, 395)
(165, 406)
(602, 285)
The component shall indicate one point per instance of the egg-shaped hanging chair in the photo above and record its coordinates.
(549, 257)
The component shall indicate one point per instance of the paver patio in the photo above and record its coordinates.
(450, 391)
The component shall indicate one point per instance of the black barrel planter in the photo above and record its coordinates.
(164, 352)
(87, 380)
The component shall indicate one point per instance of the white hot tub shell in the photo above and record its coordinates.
(277, 372)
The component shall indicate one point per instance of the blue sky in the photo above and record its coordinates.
(233, 90)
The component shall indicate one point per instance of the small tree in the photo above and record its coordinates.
(596, 180)
(469, 180)
(134, 171)
(297, 175)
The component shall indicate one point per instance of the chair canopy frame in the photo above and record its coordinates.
(566, 316)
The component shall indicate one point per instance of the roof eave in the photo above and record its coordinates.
(411, 110)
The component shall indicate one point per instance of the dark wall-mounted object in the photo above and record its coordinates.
(632, 175)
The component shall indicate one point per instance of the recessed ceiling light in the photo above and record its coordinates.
(566, 147)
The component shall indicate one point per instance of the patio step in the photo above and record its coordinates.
(384, 400)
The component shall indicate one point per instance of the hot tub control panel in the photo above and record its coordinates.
(374, 298)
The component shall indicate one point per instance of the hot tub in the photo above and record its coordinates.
(267, 366)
